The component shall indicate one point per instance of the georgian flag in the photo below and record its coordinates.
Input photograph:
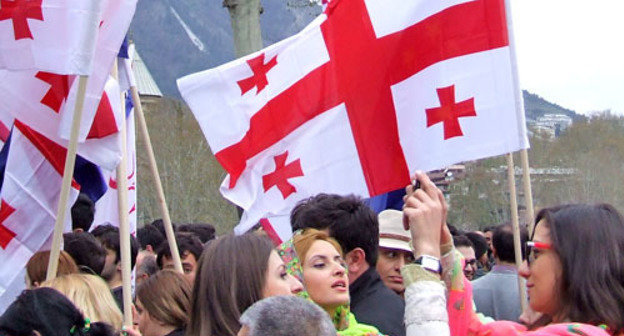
(365, 95)
(31, 184)
(49, 35)
(37, 97)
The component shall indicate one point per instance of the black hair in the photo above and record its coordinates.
(589, 240)
(87, 251)
(462, 241)
(82, 212)
(490, 228)
(503, 242)
(186, 242)
(50, 313)
(160, 225)
(108, 235)
(479, 243)
(204, 231)
(149, 235)
(349, 220)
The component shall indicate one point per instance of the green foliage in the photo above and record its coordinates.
(189, 172)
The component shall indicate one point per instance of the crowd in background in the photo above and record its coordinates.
(346, 271)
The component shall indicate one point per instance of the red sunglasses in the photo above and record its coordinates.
(529, 248)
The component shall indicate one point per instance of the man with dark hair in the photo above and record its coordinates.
(150, 238)
(465, 247)
(496, 294)
(108, 235)
(88, 252)
(160, 225)
(480, 247)
(190, 248)
(204, 231)
(82, 213)
(356, 229)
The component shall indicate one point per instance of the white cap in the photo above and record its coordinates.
(392, 235)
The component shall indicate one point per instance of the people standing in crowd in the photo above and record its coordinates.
(496, 294)
(108, 235)
(90, 294)
(162, 305)
(394, 249)
(146, 266)
(465, 247)
(37, 267)
(285, 316)
(324, 277)
(574, 269)
(86, 250)
(149, 238)
(204, 231)
(356, 229)
(235, 272)
(46, 312)
(190, 249)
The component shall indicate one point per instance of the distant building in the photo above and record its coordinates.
(147, 87)
(550, 125)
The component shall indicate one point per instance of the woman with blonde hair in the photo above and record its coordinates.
(324, 277)
(37, 267)
(91, 295)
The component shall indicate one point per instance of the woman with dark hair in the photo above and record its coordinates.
(574, 268)
(235, 272)
(46, 312)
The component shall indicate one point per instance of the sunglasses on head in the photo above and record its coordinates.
(531, 246)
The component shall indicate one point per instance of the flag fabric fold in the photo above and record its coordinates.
(365, 95)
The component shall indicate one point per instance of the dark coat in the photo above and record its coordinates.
(375, 304)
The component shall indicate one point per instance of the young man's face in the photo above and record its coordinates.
(189, 265)
(110, 266)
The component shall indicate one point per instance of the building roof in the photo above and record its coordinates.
(145, 82)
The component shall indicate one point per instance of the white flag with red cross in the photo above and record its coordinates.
(37, 97)
(50, 35)
(369, 92)
(29, 199)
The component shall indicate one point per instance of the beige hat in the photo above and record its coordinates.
(391, 232)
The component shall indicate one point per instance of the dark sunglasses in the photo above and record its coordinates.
(531, 246)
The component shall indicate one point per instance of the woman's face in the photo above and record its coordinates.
(543, 275)
(325, 276)
(277, 281)
(147, 325)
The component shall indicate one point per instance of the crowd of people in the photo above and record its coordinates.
(346, 271)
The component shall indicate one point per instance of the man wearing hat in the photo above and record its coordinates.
(394, 249)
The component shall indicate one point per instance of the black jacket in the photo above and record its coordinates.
(375, 304)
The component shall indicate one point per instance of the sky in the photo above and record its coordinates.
(571, 52)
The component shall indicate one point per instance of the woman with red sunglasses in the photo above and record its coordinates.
(574, 268)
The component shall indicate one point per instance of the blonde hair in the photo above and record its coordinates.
(166, 296)
(37, 267)
(303, 241)
(91, 295)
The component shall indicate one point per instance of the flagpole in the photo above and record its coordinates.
(524, 156)
(511, 181)
(68, 175)
(138, 109)
(124, 223)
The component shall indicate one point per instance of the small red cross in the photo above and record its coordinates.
(258, 79)
(282, 173)
(19, 11)
(449, 112)
(6, 235)
(59, 89)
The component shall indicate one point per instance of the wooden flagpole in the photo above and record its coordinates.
(140, 117)
(528, 194)
(68, 175)
(124, 222)
(511, 180)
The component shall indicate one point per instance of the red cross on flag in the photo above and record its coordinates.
(50, 35)
(29, 199)
(369, 92)
(36, 98)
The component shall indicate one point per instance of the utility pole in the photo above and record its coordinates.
(245, 18)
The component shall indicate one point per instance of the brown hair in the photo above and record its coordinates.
(37, 266)
(230, 278)
(307, 237)
(166, 296)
